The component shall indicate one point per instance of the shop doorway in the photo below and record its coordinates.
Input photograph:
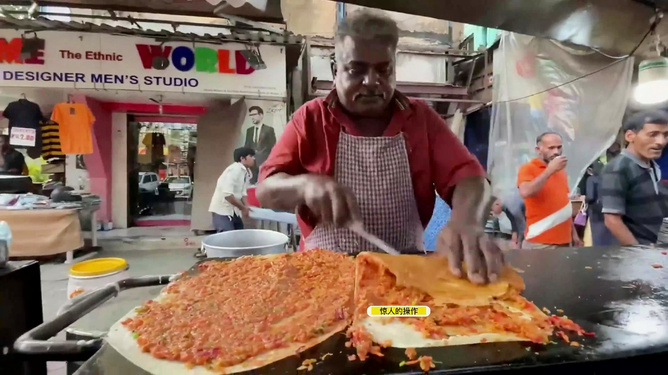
(161, 181)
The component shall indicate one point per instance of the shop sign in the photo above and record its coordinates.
(109, 62)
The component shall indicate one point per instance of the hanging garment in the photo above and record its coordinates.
(51, 149)
(24, 126)
(376, 169)
(158, 148)
(76, 121)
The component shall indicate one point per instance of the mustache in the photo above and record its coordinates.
(368, 94)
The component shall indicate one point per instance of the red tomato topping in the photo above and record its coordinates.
(232, 311)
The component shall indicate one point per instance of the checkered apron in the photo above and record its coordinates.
(376, 170)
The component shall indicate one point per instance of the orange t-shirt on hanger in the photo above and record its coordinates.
(76, 121)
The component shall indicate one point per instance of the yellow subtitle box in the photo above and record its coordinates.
(405, 311)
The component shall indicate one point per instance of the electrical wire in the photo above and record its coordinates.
(651, 29)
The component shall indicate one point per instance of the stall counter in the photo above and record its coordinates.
(43, 231)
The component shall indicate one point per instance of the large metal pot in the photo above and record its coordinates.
(237, 243)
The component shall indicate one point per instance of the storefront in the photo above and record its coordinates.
(133, 91)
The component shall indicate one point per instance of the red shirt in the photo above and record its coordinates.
(437, 159)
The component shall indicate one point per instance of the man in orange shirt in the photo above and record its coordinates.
(543, 185)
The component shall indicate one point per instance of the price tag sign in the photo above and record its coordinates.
(22, 137)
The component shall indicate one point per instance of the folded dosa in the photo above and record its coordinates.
(432, 275)
(462, 312)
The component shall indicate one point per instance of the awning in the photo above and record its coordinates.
(612, 25)
(234, 34)
(201, 8)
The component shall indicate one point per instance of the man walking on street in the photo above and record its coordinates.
(633, 199)
(228, 204)
(543, 184)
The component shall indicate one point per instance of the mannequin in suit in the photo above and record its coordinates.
(259, 137)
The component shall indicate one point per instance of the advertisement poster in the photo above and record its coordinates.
(263, 125)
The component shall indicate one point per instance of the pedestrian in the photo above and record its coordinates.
(367, 153)
(513, 207)
(600, 234)
(543, 185)
(634, 201)
(499, 223)
(228, 205)
(12, 161)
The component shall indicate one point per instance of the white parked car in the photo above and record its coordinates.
(181, 186)
(148, 182)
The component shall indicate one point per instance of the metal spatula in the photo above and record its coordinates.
(358, 228)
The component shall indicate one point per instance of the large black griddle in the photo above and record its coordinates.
(614, 292)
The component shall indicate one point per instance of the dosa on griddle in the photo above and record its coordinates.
(431, 275)
(122, 340)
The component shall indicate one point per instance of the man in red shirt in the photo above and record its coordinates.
(366, 153)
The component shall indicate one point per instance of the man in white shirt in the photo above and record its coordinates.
(228, 204)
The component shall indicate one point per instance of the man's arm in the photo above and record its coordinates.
(286, 185)
(460, 180)
(238, 203)
(233, 190)
(612, 193)
(616, 226)
(471, 201)
(577, 242)
(530, 188)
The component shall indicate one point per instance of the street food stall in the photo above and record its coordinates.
(616, 298)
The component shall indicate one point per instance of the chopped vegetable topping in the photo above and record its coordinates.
(202, 321)
(657, 265)
(426, 363)
(575, 343)
(411, 353)
(352, 357)
(563, 336)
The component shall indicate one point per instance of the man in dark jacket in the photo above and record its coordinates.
(13, 161)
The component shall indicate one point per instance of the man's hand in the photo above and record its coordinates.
(515, 240)
(330, 201)
(245, 212)
(556, 164)
(470, 244)
(577, 242)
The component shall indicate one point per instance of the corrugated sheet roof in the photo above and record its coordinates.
(235, 35)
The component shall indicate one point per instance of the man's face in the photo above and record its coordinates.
(550, 147)
(256, 117)
(365, 76)
(649, 142)
(497, 207)
(248, 161)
